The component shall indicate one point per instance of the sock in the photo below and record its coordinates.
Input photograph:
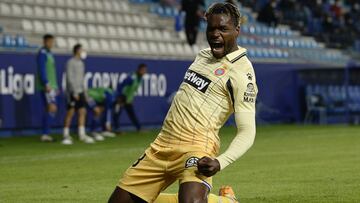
(81, 131)
(47, 120)
(173, 198)
(66, 132)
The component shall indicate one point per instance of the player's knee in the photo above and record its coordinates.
(120, 196)
(52, 108)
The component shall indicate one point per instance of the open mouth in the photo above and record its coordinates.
(217, 48)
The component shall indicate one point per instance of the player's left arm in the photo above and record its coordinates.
(244, 91)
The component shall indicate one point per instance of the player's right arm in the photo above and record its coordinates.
(42, 58)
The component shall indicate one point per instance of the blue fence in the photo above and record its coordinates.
(20, 105)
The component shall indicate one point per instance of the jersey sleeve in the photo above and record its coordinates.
(42, 67)
(243, 88)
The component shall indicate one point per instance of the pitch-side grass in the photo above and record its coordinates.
(286, 164)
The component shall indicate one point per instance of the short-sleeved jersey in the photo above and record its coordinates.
(211, 91)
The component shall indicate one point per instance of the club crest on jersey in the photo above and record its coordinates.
(191, 162)
(219, 71)
(196, 80)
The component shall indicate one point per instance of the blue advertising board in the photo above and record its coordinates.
(21, 107)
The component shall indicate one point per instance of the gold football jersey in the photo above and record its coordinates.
(211, 91)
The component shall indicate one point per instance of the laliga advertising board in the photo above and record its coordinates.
(20, 103)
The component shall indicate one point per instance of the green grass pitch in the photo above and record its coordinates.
(286, 164)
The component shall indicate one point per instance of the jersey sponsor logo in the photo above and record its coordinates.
(191, 162)
(196, 80)
(219, 71)
(250, 95)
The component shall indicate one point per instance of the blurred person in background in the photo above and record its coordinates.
(75, 95)
(101, 102)
(268, 15)
(126, 91)
(47, 84)
(194, 11)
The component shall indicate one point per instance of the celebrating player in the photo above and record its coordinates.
(215, 86)
(46, 83)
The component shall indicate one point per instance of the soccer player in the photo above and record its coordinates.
(75, 95)
(47, 84)
(187, 147)
(101, 100)
(126, 93)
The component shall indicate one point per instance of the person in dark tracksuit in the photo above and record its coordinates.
(126, 91)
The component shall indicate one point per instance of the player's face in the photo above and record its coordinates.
(142, 71)
(221, 34)
(49, 43)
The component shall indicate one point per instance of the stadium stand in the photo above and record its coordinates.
(142, 28)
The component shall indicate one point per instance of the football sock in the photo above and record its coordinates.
(173, 198)
(46, 121)
(81, 131)
(66, 132)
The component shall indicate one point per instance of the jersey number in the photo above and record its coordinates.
(138, 161)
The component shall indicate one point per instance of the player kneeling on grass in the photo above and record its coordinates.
(101, 103)
(216, 85)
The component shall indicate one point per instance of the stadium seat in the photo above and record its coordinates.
(84, 43)
(39, 11)
(130, 32)
(100, 17)
(16, 10)
(79, 3)
(136, 20)
(81, 28)
(27, 10)
(50, 13)
(90, 16)
(89, 4)
(143, 47)
(166, 35)
(71, 42)
(109, 17)
(98, 4)
(140, 33)
(127, 19)
(157, 34)
(27, 25)
(148, 33)
(60, 13)
(61, 43)
(50, 27)
(5, 9)
(60, 28)
(104, 45)
(153, 49)
(38, 26)
(71, 14)
(124, 47)
(107, 5)
(163, 48)
(134, 47)
(94, 45)
(171, 49)
(92, 30)
(80, 15)
(102, 31)
(71, 28)
(114, 46)
(112, 31)
(121, 31)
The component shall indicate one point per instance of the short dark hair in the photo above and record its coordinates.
(76, 48)
(228, 9)
(142, 65)
(48, 36)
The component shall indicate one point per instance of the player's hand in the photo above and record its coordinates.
(47, 88)
(208, 166)
(76, 97)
